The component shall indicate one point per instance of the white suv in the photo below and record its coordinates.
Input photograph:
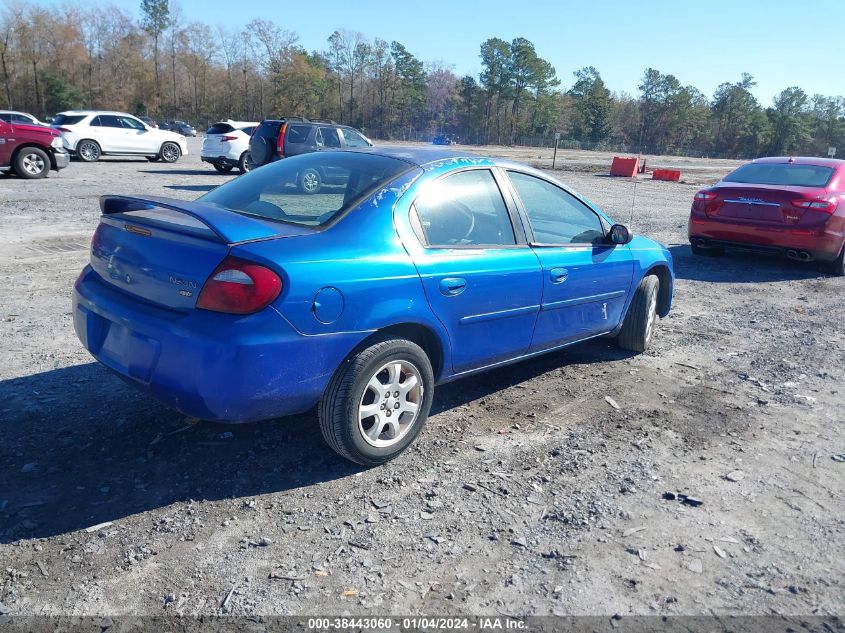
(91, 134)
(226, 145)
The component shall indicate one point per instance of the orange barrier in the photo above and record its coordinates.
(624, 166)
(673, 175)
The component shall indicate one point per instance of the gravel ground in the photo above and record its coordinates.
(528, 493)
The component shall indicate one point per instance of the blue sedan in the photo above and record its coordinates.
(403, 269)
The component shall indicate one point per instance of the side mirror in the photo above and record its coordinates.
(619, 234)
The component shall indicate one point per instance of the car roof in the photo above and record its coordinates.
(87, 112)
(16, 112)
(422, 155)
(834, 163)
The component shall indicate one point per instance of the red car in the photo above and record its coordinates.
(789, 206)
(31, 151)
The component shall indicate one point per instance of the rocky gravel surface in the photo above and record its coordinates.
(705, 476)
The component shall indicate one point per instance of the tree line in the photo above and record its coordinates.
(164, 66)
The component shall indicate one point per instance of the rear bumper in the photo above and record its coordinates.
(824, 243)
(207, 365)
(221, 160)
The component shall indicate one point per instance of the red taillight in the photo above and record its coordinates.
(280, 148)
(62, 129)
(238, 286)
(228, 138)
(825, 205)
(704, 201)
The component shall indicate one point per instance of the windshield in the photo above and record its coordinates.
(789, 174)
(310, 189)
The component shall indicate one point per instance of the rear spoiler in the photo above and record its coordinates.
(227, 227)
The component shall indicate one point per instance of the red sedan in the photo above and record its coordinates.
(789, 206)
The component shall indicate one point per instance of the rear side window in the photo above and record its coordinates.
(107, 120)
(67, 119)
(248, 130)
(789, 174)
(6, 117)
(219, 128)
(464, 209)
(297, 134)
(556, 216)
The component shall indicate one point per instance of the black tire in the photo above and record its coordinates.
(170, 152)
(309, 181)
(338, 411)
(707, 252)
(223, 168)
(245, 163)
(836, 267)
(153, 159)
(31, 163)
(638, 326)
(88, 151)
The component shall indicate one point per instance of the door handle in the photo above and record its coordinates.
(558, 275)
(452, 286)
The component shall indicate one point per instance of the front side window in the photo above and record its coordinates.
(328, 137)
(556, 216)
(353, 139)
(131, 124)
(464, 209)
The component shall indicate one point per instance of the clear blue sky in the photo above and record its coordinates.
(703, 42)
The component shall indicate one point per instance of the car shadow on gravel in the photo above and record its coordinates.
(188, 172)
(739, 267)
(81, 448)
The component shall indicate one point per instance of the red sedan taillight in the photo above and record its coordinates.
(702, 200)
(238, 286)
(825, 205)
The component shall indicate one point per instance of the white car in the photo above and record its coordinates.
(12, 116)
(90, 134)
(226, 145)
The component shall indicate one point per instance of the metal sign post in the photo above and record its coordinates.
(554, 156)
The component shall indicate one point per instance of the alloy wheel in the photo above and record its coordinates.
(390, 403)
(33, 164)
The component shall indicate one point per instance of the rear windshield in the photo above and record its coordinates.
(310, 189)
(219, 128)
(789, 174)
(67, 119)
(269, 129)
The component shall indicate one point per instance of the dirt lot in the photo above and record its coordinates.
(527, 493)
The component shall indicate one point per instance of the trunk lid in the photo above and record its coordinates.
(761, 204)
(162, 250)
